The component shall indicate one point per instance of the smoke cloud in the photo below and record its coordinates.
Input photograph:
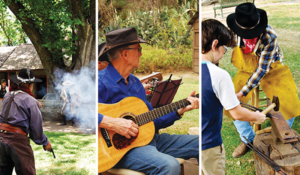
(83, 92)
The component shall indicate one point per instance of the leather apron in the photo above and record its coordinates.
(278, 81)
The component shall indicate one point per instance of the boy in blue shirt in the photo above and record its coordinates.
(217, 93)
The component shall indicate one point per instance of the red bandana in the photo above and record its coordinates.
(250, 45)
(15, 87)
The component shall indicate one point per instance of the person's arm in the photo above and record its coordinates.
(265, 60)
(224, 90)
(63, 95)
(169, 119)
(242, 114)
(36, 125)
(121, 126)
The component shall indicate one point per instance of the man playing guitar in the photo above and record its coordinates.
(116, 83)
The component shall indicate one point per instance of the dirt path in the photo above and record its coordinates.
(53, 126)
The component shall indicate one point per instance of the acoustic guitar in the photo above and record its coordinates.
(112, 146)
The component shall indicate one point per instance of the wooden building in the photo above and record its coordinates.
(12, 59)
(195, 23)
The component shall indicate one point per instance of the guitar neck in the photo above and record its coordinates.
(159, 112)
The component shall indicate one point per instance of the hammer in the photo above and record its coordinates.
(274, 105)
(252, 108)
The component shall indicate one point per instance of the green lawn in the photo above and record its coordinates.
(191, 118)
(75, 154)
(285, 19)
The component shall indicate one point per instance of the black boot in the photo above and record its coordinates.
(73, 121)
(64, 121)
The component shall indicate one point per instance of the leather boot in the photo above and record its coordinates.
(64, 121)
(241, 150)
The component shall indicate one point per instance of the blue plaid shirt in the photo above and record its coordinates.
(112, 88)
(268, 53)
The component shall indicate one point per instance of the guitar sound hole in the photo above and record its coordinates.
(121, 142)
(128, 117)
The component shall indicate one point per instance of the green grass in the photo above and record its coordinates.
(285, 19)
(75, 154)
(191, 118)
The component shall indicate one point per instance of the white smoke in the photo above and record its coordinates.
(84, 87)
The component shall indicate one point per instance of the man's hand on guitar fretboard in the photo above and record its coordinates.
(194, 104)
(121, 126)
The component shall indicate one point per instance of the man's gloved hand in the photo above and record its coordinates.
(48, 146)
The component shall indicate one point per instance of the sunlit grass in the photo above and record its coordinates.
(75, 154)
(191, 118)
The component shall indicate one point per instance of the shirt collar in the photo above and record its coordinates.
(205, 62)
(116, 76)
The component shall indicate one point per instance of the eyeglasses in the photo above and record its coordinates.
(139, 49)
(226, 48)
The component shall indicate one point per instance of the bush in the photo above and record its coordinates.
(165, 28)
(155, 59)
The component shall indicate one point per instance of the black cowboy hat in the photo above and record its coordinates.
(25, 76)
(120, 37)
(248, 22)
(102, 56)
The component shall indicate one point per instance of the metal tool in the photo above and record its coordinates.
(52, 152)
(252, 108)
(269, 161)
(294, 146)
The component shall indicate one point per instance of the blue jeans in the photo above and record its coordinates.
(158, 157)
(245, 129)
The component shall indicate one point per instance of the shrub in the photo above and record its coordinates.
(155, 59)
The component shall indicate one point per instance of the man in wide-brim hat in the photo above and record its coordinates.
(259, 60)
(116, 83)
(20, 116)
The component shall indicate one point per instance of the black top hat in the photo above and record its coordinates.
(248, 22)
(102, 56)
(25, 76)
(120, 37)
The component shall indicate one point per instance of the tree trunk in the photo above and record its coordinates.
(86, 46)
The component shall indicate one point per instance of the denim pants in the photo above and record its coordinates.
(245, 129)
(158, 157)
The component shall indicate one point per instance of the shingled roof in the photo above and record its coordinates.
(18, 57)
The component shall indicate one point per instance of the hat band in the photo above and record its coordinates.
(25, 80)
(109, 47)
(248, 28)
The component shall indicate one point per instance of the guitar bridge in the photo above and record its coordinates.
(106, 137)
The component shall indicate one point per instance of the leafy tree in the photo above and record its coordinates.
(10, 28)
(59, 30)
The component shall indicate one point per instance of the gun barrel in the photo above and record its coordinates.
(52, 152)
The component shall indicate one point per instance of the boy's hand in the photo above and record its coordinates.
(260, 118)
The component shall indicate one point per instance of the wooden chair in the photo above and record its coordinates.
(255, 102)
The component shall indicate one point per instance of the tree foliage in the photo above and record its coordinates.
(59, 30)
(11, 33)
